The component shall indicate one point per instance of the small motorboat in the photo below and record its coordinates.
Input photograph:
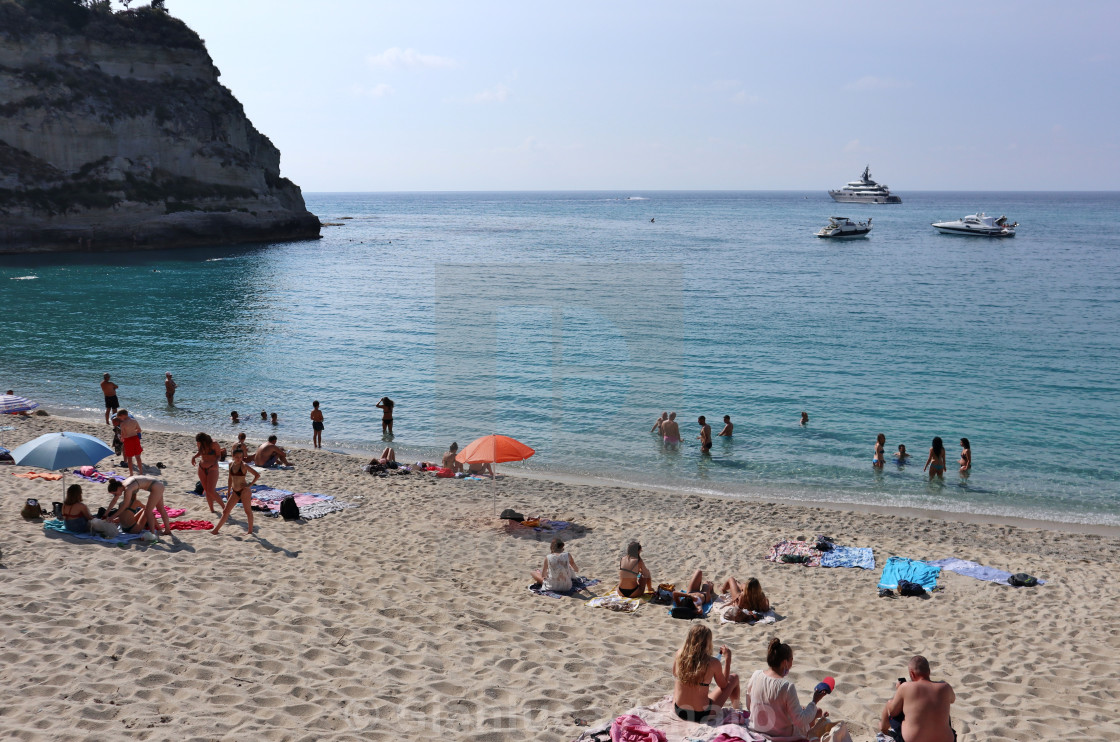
(839, 227)
(978, 225)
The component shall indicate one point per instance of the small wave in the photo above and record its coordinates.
(213, 260)
(23, 278)
(636, 198)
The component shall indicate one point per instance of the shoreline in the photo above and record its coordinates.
(754, 496)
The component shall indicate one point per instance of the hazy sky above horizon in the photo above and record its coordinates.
(364, 95)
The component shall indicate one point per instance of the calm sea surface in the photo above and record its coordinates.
(571, 320)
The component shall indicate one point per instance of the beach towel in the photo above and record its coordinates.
(974, 570)
(311, 505)
(849, 556)
(704, 611)
(796, 549)
(98, 476)
(579, 582)
(171, 513)
(612, 601)
(37, 475)
(767, 618)
(540, 525)
(901, 568)
(57, 525)
(191, 525)
(660, 716)
(631, 728)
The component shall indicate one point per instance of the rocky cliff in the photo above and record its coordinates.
(116, 134)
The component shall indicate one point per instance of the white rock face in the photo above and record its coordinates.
(130, 142)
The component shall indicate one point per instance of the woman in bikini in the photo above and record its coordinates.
(75, 514)
(936, 461)
(747, 600)
(880, 446)
(694, 669)
(207, 457)
(633, 575)
(133, 515)
(238, 490)
(966, 456)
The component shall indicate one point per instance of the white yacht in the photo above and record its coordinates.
(978, 225)
(865, 191)
(841, 226)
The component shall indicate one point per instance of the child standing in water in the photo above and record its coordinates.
(901, 457)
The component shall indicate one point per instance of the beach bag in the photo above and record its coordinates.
(912, 589)
(664, 594)
(511, 514)
(288, 508)
(31, 509)
(837, 733)
(684, 607)
(1022, 579)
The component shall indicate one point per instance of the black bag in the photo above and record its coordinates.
(912, 589)
(56, 506)
(288, 508)
(1022, 579)
(511, 514)
(684, 607)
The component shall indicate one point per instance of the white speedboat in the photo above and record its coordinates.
(839, 227)
(865, 191)
(978, 225)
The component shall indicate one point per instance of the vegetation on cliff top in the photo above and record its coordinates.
(95, 20)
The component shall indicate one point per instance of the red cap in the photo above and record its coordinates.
(830, 682)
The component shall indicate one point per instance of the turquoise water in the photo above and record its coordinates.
(570, 321)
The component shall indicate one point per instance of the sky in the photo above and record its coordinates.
(365, 95)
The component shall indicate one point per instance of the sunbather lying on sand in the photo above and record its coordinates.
(749, 600)
(698, 591)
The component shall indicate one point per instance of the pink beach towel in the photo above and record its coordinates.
(631, 728)
(172, 513)
(191, 525)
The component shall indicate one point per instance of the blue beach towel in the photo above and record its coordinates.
(703, 613)
(901, 568)
(849, 556)
(57, 525)
(975, 570)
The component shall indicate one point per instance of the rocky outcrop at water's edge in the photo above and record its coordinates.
(116, 134)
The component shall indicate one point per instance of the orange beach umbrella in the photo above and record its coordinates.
(494, 449)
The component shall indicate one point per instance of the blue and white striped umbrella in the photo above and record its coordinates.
(16, 403)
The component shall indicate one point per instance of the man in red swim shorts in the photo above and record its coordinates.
(130, 440)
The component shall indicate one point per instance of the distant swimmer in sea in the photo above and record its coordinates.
(880, 444)
(169, 387)
(264, 416)
(276, 421)
(728, 427)
(966, 456)
(660, 421)
(901, 457)
(233, 418)
(670, 431)
(705, 436)
(386, 406)
(936, 461)
(651, 220)
(804, 418)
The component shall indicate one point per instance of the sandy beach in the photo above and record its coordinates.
(407, 616)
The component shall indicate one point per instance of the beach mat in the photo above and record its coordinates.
(849, 556)
(800, 549)
(912, 570)
(579, 583)
(53, 524)
(612, 601)
(101, 477)
(975, 570)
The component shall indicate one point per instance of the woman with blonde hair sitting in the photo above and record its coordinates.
(694, 669)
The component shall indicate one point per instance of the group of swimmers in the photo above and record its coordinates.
(935, 462)
(670, 430)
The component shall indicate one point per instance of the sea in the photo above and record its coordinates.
(572, 320)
